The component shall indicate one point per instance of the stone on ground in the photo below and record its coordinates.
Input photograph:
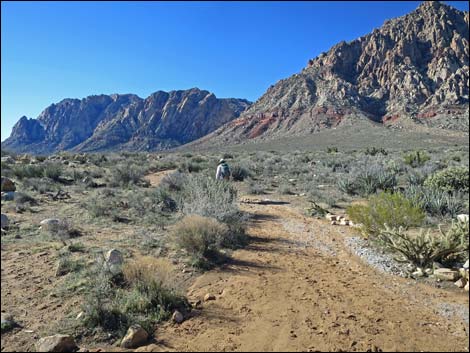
(446, 274)
(208, 297)
(177, 317)
(50, 224)
(135, 337)
(4, 221)
(56, 343)
(7, 185)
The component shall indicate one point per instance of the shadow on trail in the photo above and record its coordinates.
(236, 265)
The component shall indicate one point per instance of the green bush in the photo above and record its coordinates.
(434, 201)
(416, 158)
(423, 249)
(27, 171)
(393, 210)
(368, 180)
(450, 179)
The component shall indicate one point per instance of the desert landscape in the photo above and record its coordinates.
(343, 226)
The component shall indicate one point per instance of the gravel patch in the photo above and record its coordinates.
(378, 259)
(451, 311)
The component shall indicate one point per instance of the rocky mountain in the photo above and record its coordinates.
(413, 70)
(124, 122)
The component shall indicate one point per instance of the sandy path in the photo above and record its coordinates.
(296, 288)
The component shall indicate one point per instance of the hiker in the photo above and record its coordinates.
(223, 171)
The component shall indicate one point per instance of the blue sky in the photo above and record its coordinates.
(56, 50)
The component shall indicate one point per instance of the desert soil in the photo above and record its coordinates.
(296, 287)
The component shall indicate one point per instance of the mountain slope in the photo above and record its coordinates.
(413, 70)
(117, 122)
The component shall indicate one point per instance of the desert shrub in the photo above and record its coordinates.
(64, 230)
(208, 197)
(98, 207)
(394, 210)
(423, 249)
(144, 297)
(125, 175)
(332, 149)
(76, 247)
(374, 151)
(239, 173)
(67, 264)
(435, 202)
(285, 189)
(201, 237)
(450, 179)
(22, 198)
(256, 189)
(416, 158)
(190, 167)
(368, 180)
(26, 171)
(174, 181)
(52, 171)
(346, 185)
(41, 185)
(150, 206)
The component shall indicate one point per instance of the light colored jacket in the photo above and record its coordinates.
(219, 175)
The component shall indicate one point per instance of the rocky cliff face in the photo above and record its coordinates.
(414, 68)
(115, 122)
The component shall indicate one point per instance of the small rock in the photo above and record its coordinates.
(428, 271)
(330, 217)
(208, 297)
(197, 305)
(114, 257)
(135, 337)
(8, 196)
(436, 265)
(466, 286)
(461, 283)
(7, 185)
(4, 221)
(418, 273)
(7, 321)
(466, 265)
(50, 224)
(461, 217)
(56, 343)
(446, 274)
(344, 222)
(177, 317)
(334, 223)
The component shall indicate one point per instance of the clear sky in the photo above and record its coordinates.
(56, 50)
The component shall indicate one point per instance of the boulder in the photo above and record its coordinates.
(135, 337)
(7, 185)
(177, 317)
(446, 274)
(462, 218)
(4, 221)
(50, 224)
(8, 159)
(56, 343)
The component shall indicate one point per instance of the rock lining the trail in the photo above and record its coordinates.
(381, 261)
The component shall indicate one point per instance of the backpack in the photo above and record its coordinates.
(225, 171)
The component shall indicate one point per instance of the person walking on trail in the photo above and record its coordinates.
(223, 171)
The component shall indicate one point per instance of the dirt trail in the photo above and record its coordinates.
(296, 288)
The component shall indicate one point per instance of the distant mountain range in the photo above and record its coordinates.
(413, 71)
(124, 122)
